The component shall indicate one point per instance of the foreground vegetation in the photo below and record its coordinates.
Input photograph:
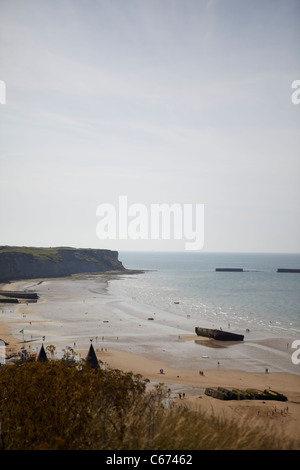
(59, 405)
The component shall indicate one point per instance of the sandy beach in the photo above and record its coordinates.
(131, 337)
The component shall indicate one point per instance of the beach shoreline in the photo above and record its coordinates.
(77, 311)
(187, 387)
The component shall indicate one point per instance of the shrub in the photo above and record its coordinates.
(63, 405)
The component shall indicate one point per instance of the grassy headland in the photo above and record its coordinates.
(34, 262)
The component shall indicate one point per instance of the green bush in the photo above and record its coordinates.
(58, 405)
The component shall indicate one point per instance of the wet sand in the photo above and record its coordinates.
(75, 311)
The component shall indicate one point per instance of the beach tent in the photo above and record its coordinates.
(42, 355)
(91, 358)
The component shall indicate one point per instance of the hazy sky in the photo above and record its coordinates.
(163, 101)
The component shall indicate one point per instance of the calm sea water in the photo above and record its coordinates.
(259, 298)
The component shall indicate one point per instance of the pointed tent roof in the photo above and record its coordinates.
(91, 358)
(42, 355)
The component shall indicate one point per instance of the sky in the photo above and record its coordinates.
(159, 101)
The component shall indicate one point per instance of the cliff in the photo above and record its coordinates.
(29, 262)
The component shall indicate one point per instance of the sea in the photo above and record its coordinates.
(258, 299)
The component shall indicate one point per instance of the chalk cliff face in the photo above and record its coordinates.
(29, 262)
